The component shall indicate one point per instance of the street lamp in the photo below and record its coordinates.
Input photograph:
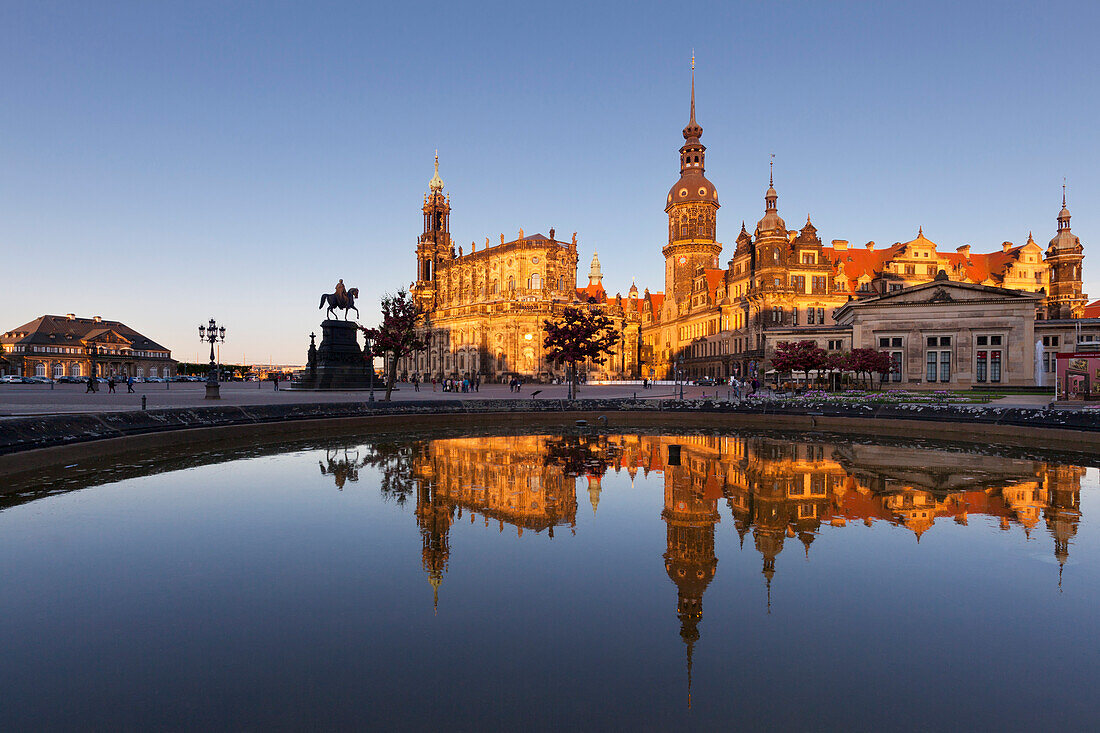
(369, 343)
(680, 374)
(90, 350)
(212, 333)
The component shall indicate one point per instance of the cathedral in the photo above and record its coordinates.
(485, 307)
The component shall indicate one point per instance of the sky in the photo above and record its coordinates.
(164, 163)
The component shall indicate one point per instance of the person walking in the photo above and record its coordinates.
(275, 377)
(477, 382)
(91, 385)
(111, 384)
(130, 385)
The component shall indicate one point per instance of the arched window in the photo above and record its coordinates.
(684, 226)
(74, 370)
(40, 370)
(536, 281)
(496, 287)
(561, 283)
(58, 370)
(152, 371)
(701, 227)
(511, 282)
(141, 372)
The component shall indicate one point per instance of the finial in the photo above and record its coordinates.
(920, 231)
(1063, 192)
(771, 171)
(692, 122)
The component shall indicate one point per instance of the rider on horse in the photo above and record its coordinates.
(341, 294)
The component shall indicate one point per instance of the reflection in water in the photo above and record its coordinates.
(213, 569)
(777, 489)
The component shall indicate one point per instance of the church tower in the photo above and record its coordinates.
(690, 513)
(1065, 256)
(434, 245)
(692, 208)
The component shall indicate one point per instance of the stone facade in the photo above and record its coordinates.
(58, 346)
(948, 335)
(486, 307)
(782, 283)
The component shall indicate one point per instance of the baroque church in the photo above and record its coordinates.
(485, 307)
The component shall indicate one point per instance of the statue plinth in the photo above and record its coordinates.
(339, 362)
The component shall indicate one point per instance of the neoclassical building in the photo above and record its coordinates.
(486, 307)
(783, 283)
(67, 346)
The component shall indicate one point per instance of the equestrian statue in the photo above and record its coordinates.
(343, 298)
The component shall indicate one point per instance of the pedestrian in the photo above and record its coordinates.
(477, 382)
(433, 384)
(111, 384)
(91, 386)
(130, 385)
(275, 379)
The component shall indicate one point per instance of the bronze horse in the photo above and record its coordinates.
(334, 302)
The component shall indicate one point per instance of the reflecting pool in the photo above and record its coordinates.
(632, 580)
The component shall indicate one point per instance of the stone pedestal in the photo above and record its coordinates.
(339, 362)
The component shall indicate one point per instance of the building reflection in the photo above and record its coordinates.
(776, 490)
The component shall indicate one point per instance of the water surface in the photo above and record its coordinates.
(630, 581)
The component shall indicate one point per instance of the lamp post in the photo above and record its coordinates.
(369, 343)
(680, 374)
(212, 333)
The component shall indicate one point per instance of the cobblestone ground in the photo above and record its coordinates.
(40, 399)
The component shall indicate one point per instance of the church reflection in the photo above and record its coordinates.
(778, 490)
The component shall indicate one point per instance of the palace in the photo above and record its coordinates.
(67, 346)
(486, 307)
(785, 284)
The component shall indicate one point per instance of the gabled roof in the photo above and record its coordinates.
(714, 279)
(1092, 310)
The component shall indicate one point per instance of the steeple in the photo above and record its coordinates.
(1063, 215)
(436, 183)
(771, 220)
(595, 273)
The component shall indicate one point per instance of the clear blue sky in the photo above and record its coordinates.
(161, 163)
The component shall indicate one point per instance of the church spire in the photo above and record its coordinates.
(693, 131)
(436, 184)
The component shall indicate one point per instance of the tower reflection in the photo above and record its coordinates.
(777, 489)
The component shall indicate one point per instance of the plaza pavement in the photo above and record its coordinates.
(38, 399)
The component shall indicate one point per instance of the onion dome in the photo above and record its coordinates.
(436, 184)
(771, 220)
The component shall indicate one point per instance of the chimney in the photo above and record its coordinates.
(840, 244)
(964, 250)
(97, 319)
(1005, 246)
(71, 316)
(870, 245)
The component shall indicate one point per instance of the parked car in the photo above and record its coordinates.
(11, 379)
(706, 381)
(36, 380)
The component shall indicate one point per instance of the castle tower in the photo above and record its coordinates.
(1065, 255)
(434, 245)
(690, 515)
(692, 208)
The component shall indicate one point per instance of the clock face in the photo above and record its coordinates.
(534, 260)
(683, 260)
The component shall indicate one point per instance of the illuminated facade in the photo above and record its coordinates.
(485, 308)
(784, 284)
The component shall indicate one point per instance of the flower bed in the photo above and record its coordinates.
(863, 397)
